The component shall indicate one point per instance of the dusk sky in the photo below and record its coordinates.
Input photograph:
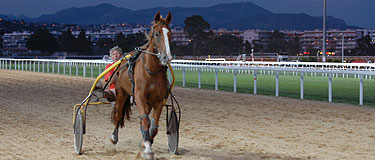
(354, 12)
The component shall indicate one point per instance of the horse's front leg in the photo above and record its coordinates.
(155, 120)
(144, 109)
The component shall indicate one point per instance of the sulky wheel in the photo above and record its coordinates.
(78, 132)
(173, 126)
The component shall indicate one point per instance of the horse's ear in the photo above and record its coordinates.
(169, 18)
(157, 17)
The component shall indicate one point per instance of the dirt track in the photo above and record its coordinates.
(36, 123)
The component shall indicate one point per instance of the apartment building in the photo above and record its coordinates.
(15, 42)
(335, 40)
(180, 37)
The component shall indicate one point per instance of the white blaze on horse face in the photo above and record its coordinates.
(166, 43)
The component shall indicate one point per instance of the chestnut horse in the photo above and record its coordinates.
(151, 86)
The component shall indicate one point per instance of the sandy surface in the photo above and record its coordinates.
(36, 123)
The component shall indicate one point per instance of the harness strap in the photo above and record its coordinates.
(130, 64)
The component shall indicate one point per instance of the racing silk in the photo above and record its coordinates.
(108, 75)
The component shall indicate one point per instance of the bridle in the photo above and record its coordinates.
(157, 54)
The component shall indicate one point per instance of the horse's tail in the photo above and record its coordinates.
(126, 111)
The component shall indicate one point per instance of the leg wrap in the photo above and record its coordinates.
(153, 128)
(145, 134)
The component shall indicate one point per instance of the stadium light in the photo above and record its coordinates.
(324, 30)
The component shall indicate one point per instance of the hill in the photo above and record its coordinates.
(243, 15)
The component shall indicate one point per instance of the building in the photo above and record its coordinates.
(15, 42)
(334, 45)
(179, 37)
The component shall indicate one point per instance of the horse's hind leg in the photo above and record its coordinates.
(118, 114)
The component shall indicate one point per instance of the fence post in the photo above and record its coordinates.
(301, 91)
(255, 81)
(277, 83)
(330, 88)
(48, 67)
(100, 71)
(92, 70)
(77, 66)
(84, 69)
(58, 67)
(199, 78)
(64, 65)
(216, 80)
(70, 68)
(235, 80)
(361, 90)
(43, 67)
(34, 66)
(53, 67)
(183, 77)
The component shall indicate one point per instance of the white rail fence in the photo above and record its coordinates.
(360, 71)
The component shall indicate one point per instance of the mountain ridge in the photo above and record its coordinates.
(242, 16)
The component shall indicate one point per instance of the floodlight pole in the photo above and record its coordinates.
(324, 31)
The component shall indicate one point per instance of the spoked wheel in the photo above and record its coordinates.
(78, 132)
(173, 126)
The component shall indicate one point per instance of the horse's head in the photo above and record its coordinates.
(160, 37)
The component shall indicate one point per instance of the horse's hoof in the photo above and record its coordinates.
(114, 139)
(148, 156)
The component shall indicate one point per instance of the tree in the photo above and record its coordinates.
(43, 41)
(364, 47)
(133, 40)
(293, 47)
(120, 40)
(180, 50)
(258, 47)
(225, 44)
(278, 44)
(83, 44)
(104, 45)
(67, 42)
(196, 27)
(248, 47)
